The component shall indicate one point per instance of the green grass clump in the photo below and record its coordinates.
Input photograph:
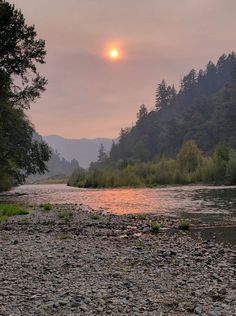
(3, 218)
(65, 215)
(95, 216)
(46, 206)
(155, 227)
(24, 220)
(51, 223)
(184, 224)
(8, 210)
(63, 236)
(142, 217)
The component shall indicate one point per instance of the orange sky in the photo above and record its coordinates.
(89, 95)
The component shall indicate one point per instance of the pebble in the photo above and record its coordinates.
(83, 267)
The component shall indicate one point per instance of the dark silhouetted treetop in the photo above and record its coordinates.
(102, 155)
(20, 52)
(165, 95)
(142, 113)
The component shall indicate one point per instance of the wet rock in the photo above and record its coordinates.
(198, 310)
(214, 313)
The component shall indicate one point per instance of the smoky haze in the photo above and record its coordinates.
(90, 96)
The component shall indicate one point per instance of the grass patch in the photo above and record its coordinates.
(142, 217)
(184, 224)
(65, 215)
(24, 220)
(95, 216)
(63, 236)
(51, 223)
(46, 207)
(8, 210)
(3, 218)
(154, 227)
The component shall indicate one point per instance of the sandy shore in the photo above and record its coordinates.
(70, 261)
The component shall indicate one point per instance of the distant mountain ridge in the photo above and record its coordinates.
(83, 150)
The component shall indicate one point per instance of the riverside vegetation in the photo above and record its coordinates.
(190, 166)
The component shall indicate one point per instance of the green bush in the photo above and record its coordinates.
(184, 224)
(65, 215)
(189, 167)
(95, 216)
(46, 207)
(154, 227)
(142, 217)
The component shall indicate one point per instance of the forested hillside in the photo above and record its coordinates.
(190, 136)
(58, 169)
(203, 109)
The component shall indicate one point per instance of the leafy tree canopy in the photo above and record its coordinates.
(20, 84)
(20, 52)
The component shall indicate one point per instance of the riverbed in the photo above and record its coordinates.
(76, 259)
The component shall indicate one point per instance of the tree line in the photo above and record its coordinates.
(189, 166)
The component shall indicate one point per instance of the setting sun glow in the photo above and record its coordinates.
(114, 54)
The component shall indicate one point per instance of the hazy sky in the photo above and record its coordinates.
(89, 95)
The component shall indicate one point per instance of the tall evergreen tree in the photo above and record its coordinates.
(165, 95)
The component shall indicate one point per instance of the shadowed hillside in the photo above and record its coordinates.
(83, 150)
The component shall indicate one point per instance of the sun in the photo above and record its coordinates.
(114, 53)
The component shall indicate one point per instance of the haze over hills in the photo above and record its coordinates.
(83, 150)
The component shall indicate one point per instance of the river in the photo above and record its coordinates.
(208, 203)
(167, 200)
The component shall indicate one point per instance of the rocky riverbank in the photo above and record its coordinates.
(71, 261)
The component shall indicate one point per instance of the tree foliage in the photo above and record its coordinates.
(203, 110)
(190, 166)
(20, 84)
(20, 52)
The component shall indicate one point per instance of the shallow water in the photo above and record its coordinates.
(168, 200)
(210, 205)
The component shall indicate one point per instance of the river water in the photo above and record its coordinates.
(168, 200)
(206, 203)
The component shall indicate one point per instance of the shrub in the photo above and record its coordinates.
(154, 227)
(184, 224)
(65, 215)
(46, 207)
(142, 217)
(188, 167)
(95, 216)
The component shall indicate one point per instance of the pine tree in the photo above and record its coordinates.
(102, 155)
